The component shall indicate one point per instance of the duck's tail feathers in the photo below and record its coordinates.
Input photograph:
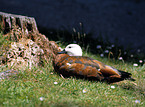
(126, 75)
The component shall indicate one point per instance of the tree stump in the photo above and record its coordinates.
(9, 21)
(23, 33)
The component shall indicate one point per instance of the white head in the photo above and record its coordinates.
(73, 50)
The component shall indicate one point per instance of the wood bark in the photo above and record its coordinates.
(9, 21)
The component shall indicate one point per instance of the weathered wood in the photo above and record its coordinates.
(9, 21)
(29, 47)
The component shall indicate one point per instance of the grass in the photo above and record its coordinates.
(30, 86)
(40, 86)
(36, 87)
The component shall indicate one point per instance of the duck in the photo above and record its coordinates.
(70, 62)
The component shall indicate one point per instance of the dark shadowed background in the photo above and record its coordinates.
(121, 19)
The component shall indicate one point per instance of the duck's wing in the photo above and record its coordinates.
(107, 70)
(113, 73)
(78, 66)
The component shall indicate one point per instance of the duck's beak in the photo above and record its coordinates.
(62, 52)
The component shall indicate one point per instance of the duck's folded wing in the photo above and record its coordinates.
(108, 71)
(80, 66)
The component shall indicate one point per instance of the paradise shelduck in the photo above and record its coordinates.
(70, 62)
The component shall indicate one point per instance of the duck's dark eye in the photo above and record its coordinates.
(69, 47)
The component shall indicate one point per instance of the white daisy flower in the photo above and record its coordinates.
(131, 55)
(51, 73)
(98, 46)
(112, 86)
(102, 55)
(84, 90)
(120, 58)
(112, 45)
(125, 53)
(135, 65)
(41, 98)
(140, 61)
(55, 82)
(137, 101)
(106, 51)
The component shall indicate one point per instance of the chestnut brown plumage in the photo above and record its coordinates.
(68, 64)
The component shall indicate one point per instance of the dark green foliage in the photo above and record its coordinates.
(89, 44)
